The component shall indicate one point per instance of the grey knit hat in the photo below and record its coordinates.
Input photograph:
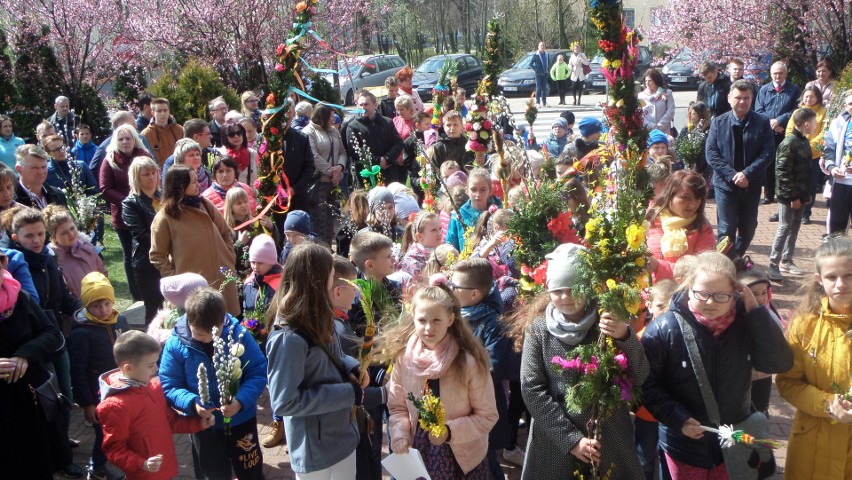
(562, 266)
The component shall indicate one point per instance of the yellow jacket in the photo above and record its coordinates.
(816, 137)
(822, 353)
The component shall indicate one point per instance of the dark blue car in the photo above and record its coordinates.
(468, 73)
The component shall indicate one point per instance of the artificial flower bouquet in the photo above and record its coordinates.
(431, 415)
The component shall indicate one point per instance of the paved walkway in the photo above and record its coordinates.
(276, 460)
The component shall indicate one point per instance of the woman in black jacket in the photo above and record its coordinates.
(28, 341)
(138, 211)
(734, 335)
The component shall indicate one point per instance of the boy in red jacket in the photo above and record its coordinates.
(137, 423)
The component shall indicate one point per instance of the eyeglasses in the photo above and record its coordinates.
(235, 134)
(717, 297)
(252, 100)
(455, 287)
(54, 150)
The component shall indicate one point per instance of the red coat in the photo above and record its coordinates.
(138, 425)
(698, 240)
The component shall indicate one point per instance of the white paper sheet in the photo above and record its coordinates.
(408, 466)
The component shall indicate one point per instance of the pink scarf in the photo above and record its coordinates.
(8, 295)
(430, 363)
(718, 324)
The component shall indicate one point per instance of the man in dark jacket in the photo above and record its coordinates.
(299, 169)
(776, 101)
(714, 90)
(739, 148)
(541, 66)
(218, 110)
(31, 189)
(380, 136)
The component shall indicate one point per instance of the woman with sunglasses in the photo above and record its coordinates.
(250, 106)
(236, 146)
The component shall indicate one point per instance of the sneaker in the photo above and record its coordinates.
(104, 473)
(275, 436)
(791, 268)
(773, 218)
(775, 273)
(72, 471)
(516, 456)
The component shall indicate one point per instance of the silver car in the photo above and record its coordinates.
(365, 71)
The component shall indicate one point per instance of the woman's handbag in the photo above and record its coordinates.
(51, 401)
(586, 69)
(743, 462)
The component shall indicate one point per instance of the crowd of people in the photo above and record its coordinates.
(298, 297)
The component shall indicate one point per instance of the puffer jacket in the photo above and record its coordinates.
(327, 148)
(671, 392)
(793, 168)
(179, 372)
(815, 138)
(818, 447)
(138, 424)
(90, 354)
(555, 145)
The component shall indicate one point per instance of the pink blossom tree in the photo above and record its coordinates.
(721, 29)
(82, 33)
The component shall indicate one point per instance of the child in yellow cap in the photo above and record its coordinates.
(96, 327)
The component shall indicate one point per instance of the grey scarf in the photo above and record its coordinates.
(569, 333)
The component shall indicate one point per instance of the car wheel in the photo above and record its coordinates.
(350, 98)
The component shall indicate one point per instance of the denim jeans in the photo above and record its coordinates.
(648, 446)
(541, 89)
(736, 216)
(126, 239)
(98, 459)
(790, 220)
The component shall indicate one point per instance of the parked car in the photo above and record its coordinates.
(520, 78)
(595, 80)
(365, 71)
(468, 73)
(682, 71)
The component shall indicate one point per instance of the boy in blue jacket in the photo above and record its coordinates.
(191, 344)
(473, 285)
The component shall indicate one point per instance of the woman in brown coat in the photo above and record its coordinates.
(190, 235)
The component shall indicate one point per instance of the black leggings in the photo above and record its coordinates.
(148, 283)
(578, 90)
(516, 410)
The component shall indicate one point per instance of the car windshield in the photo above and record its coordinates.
(598, 60)
(431, 65)
(524, 61)
(683, 56)
(353, 69)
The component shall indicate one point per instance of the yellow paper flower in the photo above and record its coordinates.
(633, 308)
(592, 226)
(610, 284)
(635, 236)
(605, 63)
(615, 64)
(640, 262)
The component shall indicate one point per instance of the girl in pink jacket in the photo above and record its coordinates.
(678, 224)
(435, 348)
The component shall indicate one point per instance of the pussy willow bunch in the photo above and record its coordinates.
(229, 368)
(690, 147)
(82, 205)
(432, 417)
(370, 174)
(203, 386)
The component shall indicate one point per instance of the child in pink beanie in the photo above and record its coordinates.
(175, 289)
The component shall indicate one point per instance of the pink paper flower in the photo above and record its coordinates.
(621, 360)
(561, 362)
